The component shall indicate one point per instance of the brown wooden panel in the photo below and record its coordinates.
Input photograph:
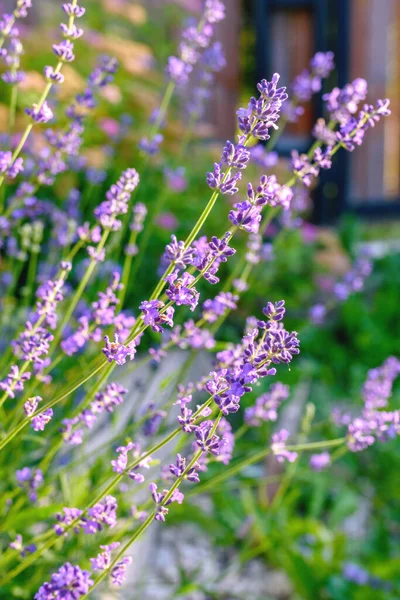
(375, 55)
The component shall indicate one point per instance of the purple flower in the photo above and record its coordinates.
(69, 583)
(153, 317)
(342, 103)
(151, 146)
(14, 381)
(213, 59)
(64, 51)
(5, 160)
(306, 170)
(323, 133)
(206, 440)
(153, 421)
(262, 158)
(177, 70)
(40, 421)
(118, 573)
(208, 257)
(317, 314)
(179, 468)
(21, 10)
(177, 253)
(266, 406)
(102, 513)
(69, 433)
(354, 279)
(375, 424)
(32, 343)
(305, 85)
(176, 180)
(217, 307)
(323, 157)
(214, 11)
(117, 200)
(29, 480)
(66, 518)
(73, 32)
(185, 419)
(262, 113)
(193, 336)
(31, 405)
(120, 464)
(159, 498)
(224, 430)
(276, 311)
(53, 76)
(322, 63)
(111, 397)
(355, 573)
(319, 462)
(103, 559)
(73, 11)
(18, 545)
(235, 156)
(139, 212)
(246, 216)
(40, 113)
(222, 182)
(279, 449)
(181, 290)
(118, 352)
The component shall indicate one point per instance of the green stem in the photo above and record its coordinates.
(81, 288)
(13, 108)
(151, 516)
(257, 457)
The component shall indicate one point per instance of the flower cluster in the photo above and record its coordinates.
(279, 448)
(120, 465)
(162, 501)
(374, 423)
(194, 41)
(212, 61)
(117, 200)
(307, 83)
(105, 401)
(353, 282)
(29, 480)
(12, 50)
(65, 144)
(99, 515)
(70, 583)
(256, 120)
(64, 51)
(34, 342)
(19, 546)
(247, 214)
(266, 406)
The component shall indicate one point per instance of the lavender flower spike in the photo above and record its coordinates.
(69, 583)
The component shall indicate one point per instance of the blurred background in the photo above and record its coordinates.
(332, 535)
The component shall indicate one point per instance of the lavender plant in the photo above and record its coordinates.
(69, 336)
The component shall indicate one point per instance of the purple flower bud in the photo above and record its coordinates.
(319, 462)
(278, 447)
(73, 11)
(41, 114)
(118, 352)
(40, 421)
